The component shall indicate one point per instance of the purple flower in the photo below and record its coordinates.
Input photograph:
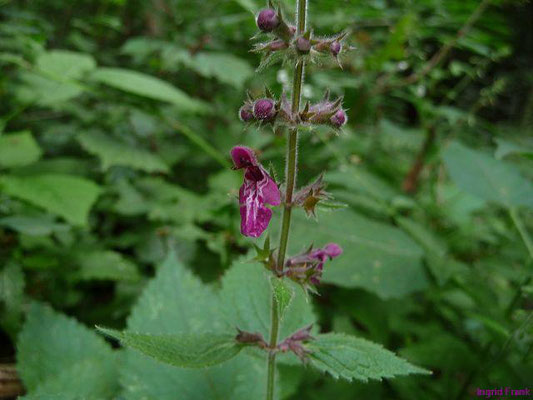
(257, 190)
(307, 267)
(267, 20)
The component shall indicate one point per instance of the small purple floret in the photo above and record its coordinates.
(267, 20)
(339, 119)
(264, 109)
(307, 267)
(257, 190)
(335, 48)
(245, 113)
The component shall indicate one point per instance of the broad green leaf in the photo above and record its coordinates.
(283, 293)
(506, 148)
(18, 149)
(351, 358)
(106, 265)
(147, 86)
(38, 225)
(64, 65)
(67, 196)
(377, 257)
(224, 67)
(175, 302)
(246, 297)
(440, 262)
(193, 350)
(57, 355)
(487, 178)
(46, 91)
(114, 152)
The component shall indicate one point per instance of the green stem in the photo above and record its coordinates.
(522, 230)
(290, 179)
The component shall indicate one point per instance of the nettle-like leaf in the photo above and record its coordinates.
(377, 257)
(68, 196)
(105, 265)
(148, 86)
(18, 149)
(486, 177)
(114, 152)
(351, 358)
(193, 350)
(58, 356)
(176, 303)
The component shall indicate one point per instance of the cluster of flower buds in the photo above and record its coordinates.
(307, 267)
(285, 42)
(269, 110)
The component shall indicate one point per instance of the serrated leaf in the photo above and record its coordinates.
(147, 86)
(18, 149)
(377, 257)
(67, 196)
(193, 350)
(246, 297)
(487, 178)
(284, 294)
(351, 358)
(114, 152)
(57, 355)
(176, 302)
(106, 265)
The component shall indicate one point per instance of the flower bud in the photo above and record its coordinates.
(267, 20)
(246, 113)
(338, 119)
(335, 48)
(264, 109)
(303, 45)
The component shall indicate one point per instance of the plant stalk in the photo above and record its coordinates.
(290, 179)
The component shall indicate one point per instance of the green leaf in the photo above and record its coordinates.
(38, 225)
(11, 297)
(67, 196)
(114, 152)
(284, 294)
(506, 148)
(57, 355)
(106, 265)
(18, 149)
(377, 257)
(487, 178)
(224, 67)
(147, 86)
(173, 303)
(64, 65)
(246, 298)
(193, 350)
(440, 263)
(351, 358)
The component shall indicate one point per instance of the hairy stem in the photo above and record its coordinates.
(290, 179)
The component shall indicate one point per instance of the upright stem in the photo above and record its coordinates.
(290, 179)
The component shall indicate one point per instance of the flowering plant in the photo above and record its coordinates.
(339, 355)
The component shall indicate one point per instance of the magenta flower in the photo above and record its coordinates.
(257, 190)
(307, 267)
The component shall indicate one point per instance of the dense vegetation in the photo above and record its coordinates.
(118, 205)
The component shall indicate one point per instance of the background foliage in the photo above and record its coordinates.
(116, 120)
